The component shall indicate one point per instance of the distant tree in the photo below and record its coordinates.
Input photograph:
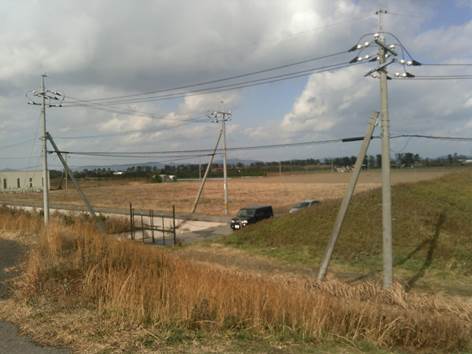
(378, 159)
(371, 161)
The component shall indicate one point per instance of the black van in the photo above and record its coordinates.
(251, 215)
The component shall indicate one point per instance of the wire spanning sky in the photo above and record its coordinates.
(93, 50)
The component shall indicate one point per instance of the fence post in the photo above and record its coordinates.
(131, 215)
(130, 221)
(163, 232)
(151, 217)
(173, 224)
(142, 226)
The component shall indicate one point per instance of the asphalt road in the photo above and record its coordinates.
(10, 341)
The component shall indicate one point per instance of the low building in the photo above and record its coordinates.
(21, 181)
(168, 178)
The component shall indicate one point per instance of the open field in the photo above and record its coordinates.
(278, 191)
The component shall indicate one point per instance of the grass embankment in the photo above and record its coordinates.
(432, 231)
(153, 291)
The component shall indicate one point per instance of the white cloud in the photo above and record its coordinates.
(107, 48)
(129, 123)
(327, 100)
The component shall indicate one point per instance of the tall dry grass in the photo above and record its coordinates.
(28, 222)
(19, 221)
(74, 266)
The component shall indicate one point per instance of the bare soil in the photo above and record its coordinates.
(279, 191)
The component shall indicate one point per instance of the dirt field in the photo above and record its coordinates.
(279, 191)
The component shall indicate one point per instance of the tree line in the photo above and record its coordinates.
(262, 168)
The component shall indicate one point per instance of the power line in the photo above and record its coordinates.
(4, 147)
(243, 84)
(18, 157)
(127, 132)
(404, 15)
(433, 137)
(177, 155)
(446, 64)
(103, 107)
(137, 156)
(237, 85)
(192, 152)
(195, 151)
(434, 78)
(239, 76)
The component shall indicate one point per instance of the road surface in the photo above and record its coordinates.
(11, 342)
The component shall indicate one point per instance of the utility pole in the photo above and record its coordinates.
(207, 170)
(44, 152)
(45, 98)
(348, 196)
(222, 117)
(100, 225)
(386, 182)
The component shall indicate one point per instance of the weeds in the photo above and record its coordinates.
(132, 283)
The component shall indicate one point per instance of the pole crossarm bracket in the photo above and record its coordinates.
(381, 68)
(384, 47)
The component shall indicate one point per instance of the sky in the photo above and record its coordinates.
(101, 49)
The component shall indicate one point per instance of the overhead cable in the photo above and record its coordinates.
(186, 86)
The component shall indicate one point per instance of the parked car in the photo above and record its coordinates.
(251, 215)
(302, 205)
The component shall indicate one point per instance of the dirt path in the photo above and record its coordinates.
(11, 342)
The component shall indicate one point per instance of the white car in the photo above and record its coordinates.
(302, 205)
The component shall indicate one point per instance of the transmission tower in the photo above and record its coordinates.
(45, 98)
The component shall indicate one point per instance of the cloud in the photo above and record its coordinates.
(326, 101)
(106, 48)
(129, 123)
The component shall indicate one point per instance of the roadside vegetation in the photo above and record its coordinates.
(80, 287)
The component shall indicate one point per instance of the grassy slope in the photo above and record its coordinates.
(432, 225)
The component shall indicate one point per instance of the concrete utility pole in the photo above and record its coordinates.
(386, 182)
(348, 196)
(66, 171)
(43, 98)
(100, 225)
(44, 152)
(207, 170)
(222, 117)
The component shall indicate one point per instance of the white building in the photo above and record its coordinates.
(21, 181)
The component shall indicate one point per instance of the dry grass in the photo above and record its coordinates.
(281, 192)
(75, 267)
